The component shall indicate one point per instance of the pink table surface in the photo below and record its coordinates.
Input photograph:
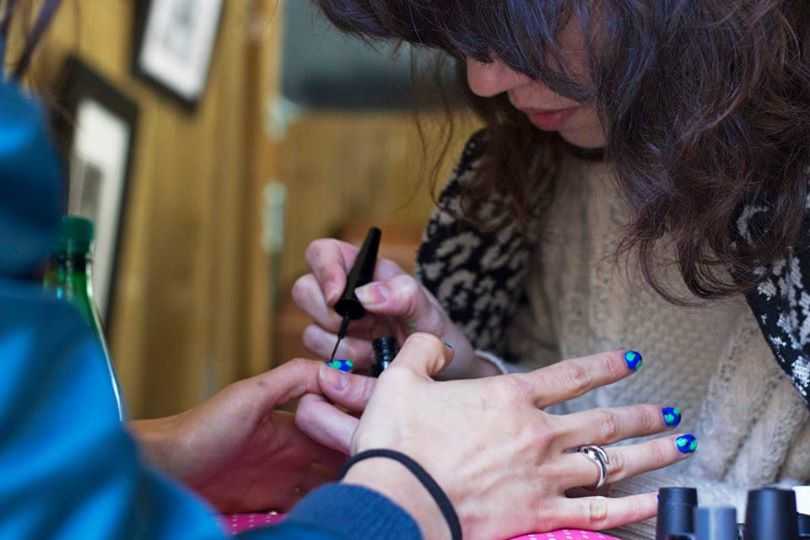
(238, 523)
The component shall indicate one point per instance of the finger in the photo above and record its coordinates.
(624, 462)
(290, 381)
(321, 344)
(599, 513)
(607, 426)
(349, 391)
(325, 424)
(307, 295)
(331, 260)
(405, 298)
(572, 378)
(308, 455)
(424, 355)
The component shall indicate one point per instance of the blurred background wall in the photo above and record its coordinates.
(224, 199)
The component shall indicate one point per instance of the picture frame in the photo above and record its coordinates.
(174, 45)
(96, 126)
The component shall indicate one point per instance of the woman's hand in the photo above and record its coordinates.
(236, 451)
(505, 463)
(396, 302)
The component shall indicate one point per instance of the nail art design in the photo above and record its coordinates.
(686, 444)
(346, 366)
(672, 416)
(634, 360)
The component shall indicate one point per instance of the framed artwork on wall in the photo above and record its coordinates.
(96, 125)
(174, 45)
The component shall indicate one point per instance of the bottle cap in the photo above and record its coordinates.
(385, 350)
(770, 514)
(716, 523)
(75, 235)
(675, 512)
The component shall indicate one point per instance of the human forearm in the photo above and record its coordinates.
(400, 486)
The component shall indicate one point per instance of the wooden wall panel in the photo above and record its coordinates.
(344, 168)
(193, 310)
(185, 310)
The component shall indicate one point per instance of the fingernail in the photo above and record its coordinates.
(672, 416)
(335, 378)
(346, 366)
(372, 294)
(332, 292)
(686, 444)
(634, 360)
(449, 346)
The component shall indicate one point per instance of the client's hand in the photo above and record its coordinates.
(504, 462)
(236, 451)
(396, 302)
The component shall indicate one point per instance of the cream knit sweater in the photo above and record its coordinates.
(711, 361)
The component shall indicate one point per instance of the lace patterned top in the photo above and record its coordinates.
(738, 368)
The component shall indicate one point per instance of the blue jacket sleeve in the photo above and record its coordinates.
(69, 470)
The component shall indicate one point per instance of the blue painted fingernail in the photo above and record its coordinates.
(686, 444)
(448, 346)
(346, 366)
(672, 416)
(634, 360)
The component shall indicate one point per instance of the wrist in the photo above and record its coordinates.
(395, 482)
(159, 442)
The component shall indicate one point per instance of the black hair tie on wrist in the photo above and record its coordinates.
(432, 487)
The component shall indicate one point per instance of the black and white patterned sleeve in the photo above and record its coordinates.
(781, 301)
(477, 276)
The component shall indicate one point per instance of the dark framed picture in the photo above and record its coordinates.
(174, 45)
(96, 125)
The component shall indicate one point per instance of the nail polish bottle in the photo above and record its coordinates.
(385, 350)
(770, 514)
(716, 523)
(676, 507)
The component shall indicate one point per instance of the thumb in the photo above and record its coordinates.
(425, 355)
(404, 297)
(285, 383)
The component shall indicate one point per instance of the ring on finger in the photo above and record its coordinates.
(597, 455)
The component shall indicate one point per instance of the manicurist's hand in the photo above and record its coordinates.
(505, 463)
(237, 451)
(397, 305)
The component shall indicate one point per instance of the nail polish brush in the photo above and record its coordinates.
(362, 273)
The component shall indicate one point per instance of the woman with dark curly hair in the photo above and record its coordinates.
(642, 181)
(70, 469)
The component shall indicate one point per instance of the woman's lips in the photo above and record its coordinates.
(550, 120)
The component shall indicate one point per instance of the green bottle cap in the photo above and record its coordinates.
(75, 235)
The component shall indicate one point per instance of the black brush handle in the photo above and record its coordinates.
(362, 273)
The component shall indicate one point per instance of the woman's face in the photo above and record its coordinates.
(576, 122)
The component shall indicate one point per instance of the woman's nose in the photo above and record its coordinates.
(492, 78)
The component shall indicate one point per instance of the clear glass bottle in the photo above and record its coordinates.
(70, 277)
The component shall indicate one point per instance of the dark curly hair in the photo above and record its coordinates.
(706, 106)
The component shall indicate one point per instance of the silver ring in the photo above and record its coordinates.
(597, 455)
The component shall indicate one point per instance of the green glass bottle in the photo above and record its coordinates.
(69, 276)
